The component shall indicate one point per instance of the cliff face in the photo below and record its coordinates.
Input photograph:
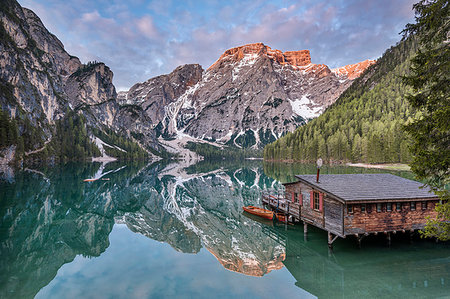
(34, 67)
(249, 97)
(154, 95)
(40, 81)
(353, 71)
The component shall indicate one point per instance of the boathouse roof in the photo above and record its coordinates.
(368, 187)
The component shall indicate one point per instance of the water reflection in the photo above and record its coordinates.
(49, 216)
(404, 270)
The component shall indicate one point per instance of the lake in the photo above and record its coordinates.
(165, 230)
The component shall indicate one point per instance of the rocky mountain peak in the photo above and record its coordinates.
(90, 84)
(353, 71)
(249, 97)
(294, 58)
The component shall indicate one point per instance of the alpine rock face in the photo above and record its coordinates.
(249, 97)
(40, 81)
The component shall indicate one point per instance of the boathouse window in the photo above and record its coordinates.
(378, 207)
(316, 201)
(363, 208)
(369, 208)
(413, 206)
(398, 206)
(389, 207)
(349, 209)
(295, 196)
(424, 205)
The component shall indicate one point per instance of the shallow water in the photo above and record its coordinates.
(161, 230)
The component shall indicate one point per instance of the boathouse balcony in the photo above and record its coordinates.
(281, 202)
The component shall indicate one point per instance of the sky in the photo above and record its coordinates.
(141, 39)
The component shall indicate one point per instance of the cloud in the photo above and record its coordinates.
(147, 28)
(138, 40)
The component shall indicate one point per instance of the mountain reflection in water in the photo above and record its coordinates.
(50, 216)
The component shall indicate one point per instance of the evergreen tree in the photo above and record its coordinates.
(373, 107)
(430, 130)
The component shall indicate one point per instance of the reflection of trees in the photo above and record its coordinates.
(285, 172)
(46, 222)
(51, 216)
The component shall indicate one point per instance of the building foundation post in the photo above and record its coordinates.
(305, 231)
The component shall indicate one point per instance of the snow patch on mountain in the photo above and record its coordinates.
(247, 60)
(305, 107)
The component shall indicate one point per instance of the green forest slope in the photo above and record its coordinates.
(364, 124)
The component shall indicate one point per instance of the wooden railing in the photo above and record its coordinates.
(282, 203)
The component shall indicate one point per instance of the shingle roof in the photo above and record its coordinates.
(368, 187)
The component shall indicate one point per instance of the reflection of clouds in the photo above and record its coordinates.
(138, 41)
(137, 267)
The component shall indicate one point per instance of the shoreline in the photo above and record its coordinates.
(387, 166)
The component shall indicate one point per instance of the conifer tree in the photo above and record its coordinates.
(430, 129)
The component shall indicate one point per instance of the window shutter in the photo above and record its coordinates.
(321, 201)
(312, 200)
(301, 199)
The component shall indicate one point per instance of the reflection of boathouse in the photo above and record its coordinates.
(356, 204)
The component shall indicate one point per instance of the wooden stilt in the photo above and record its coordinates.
(331, 239)
(389, 239)
(305, 231)
(330, 244)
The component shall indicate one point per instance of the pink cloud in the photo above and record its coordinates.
(147, 27)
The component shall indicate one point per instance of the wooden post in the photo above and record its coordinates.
(389, 239)
(305, 231)
(329, 241)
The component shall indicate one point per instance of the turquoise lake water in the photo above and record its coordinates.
(169, 231)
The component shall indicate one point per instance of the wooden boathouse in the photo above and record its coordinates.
(355, 204)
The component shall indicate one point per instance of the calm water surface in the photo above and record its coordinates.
(164, 230)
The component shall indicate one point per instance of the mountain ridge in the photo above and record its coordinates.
(249, 97)
(227, 92)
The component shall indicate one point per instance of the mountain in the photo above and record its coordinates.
(365, 123)
(53, 105)
(40, 82)
(250, 96)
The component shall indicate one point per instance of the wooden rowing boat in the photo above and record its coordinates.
(90, 180)
(281, 217)
(259, 212)
(267, 214)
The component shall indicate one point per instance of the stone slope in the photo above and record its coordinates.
(249, 97)
(34, 67)
(40, 81)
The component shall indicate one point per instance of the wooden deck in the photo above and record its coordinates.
(281, 204)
